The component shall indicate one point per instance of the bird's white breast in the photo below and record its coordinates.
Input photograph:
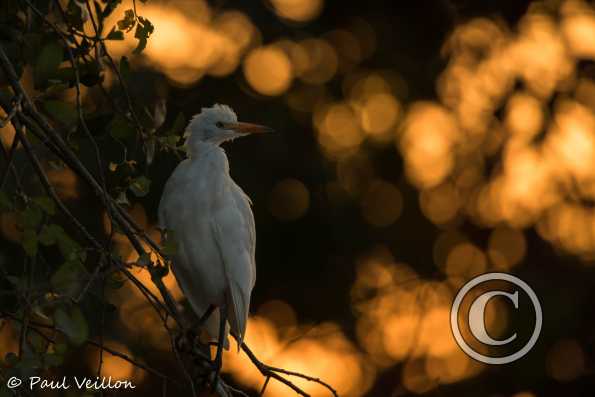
(189, 199)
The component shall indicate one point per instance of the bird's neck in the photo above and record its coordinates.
(210, 153)
(198, 149)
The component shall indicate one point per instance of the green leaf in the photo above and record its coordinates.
(140, 186)
(120, 128)
(70, 248)
(178, 125)
(31, 217)
(60, 348)
(29, 242)
(46, 204)
(66, 279)
(60, 111)
(73, 324)
(53, 360)
(47, 63)
(115, 34)
(128, 22)
(172, 140)
(144, 29)
(51, 234)
(66, 74)
(5, 202)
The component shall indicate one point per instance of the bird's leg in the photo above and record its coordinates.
(219, 355)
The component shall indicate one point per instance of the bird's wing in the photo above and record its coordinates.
(233, 229)
(244, 204)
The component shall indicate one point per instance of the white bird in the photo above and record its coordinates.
(209, 218)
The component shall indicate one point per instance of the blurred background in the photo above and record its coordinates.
(418, 144)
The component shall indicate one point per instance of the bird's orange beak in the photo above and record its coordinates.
(247, 128)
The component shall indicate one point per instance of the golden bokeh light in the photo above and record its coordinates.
(348, 47)
(338, 129)
(322, 61)
(289, 200)
(464, 262)
(268, 70)
(523, 154)
(189, 41)
(337, 361)
(524, 117)
(441, 203)
(506, 247)
(381, 204)
(565, 360)
(298, 10)
(401, 318)
(379, 114)
(427, 141)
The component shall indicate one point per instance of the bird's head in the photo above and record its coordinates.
(218, 124)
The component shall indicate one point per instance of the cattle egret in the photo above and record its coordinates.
(209, 219)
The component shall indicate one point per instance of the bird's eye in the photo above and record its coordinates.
(219, 124)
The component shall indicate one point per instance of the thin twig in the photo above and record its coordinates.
(269, 371)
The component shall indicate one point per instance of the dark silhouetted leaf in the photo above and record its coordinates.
(73, 324)
(178, 125)
(47, 63)
(51, 234)
(5, 202)
(120, 128)
(46, 204)
(115, 34)
(66, 279)
(144, 29)
(29, 242)
(128, 22)
(60, 111)
(31, 217)
(53, 360)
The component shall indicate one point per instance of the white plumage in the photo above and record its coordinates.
(209, 218)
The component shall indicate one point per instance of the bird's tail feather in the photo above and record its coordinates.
(238, 315)
(212, 327)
